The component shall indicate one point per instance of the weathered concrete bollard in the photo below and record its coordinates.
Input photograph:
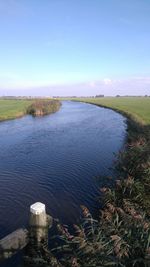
(37, 235)
(39, 223)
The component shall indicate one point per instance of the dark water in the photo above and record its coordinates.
(54, 159)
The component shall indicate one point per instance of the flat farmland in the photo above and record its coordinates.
(136, 107)
(11, 109)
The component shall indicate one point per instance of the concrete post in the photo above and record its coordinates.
(37, 235)
(35, 251)
(38, 223)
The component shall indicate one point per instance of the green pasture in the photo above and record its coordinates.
(136, 107)
(10, 109)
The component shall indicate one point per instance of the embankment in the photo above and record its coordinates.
(121, 235)
(135, 159)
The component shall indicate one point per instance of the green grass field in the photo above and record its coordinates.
(11, 109)
(136, 107)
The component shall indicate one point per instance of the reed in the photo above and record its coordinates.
(120, 236)
(15, 108)
(43, 107)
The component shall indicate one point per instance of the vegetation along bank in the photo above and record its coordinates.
(121, 234)
(15, 108)
(43, 107)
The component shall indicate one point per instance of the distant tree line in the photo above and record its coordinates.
(99, 96)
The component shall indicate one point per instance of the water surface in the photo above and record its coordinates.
(55, 159)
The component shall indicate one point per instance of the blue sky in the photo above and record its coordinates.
(74, 47)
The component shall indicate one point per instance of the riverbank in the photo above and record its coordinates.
(16, 108)
(135, 160)
(121, 235)
(136, 108)
(12, 109)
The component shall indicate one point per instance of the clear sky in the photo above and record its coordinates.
(74, 47)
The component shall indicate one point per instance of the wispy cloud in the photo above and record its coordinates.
(106, 86)
(107, 81)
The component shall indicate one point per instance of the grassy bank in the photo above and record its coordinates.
(11, 109)
(135, 160)
(137, 108)
(121, 235)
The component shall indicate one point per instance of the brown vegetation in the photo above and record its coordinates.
(43, 107)
(121, 235)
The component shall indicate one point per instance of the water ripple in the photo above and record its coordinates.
(54, 159)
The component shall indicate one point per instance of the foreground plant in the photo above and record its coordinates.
(121, 235)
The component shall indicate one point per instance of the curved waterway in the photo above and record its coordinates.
(55, 159)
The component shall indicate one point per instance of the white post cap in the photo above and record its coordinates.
(37, 208)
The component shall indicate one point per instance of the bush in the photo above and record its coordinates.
(43, 107)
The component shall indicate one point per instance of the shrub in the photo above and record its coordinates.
(43, 107)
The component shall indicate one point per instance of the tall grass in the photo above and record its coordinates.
(43, 107)
(121, 235)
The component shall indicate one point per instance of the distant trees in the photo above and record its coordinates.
(99, 96)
